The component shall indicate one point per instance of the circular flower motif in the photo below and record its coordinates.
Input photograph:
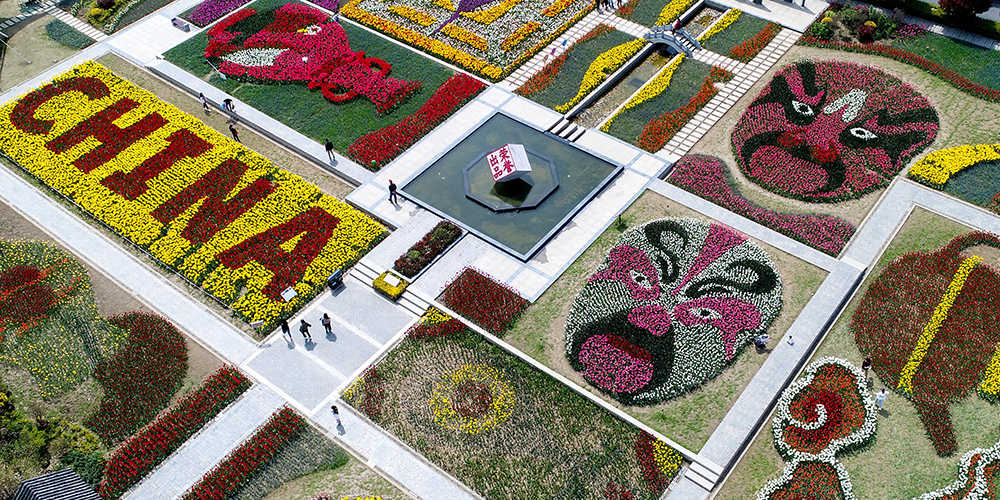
(472, 399)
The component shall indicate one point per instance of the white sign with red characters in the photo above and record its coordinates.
(508, 163)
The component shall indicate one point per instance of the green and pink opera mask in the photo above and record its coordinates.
(672, 305)
(825, 131)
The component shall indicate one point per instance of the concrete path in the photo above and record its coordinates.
(796, 15)
(309, 373)
(75, 23)
(209, 446)
(132, 274)
(746, 77)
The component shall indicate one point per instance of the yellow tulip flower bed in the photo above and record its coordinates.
(225, 217)
(491, 38)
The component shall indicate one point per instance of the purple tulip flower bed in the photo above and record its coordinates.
(708, 177)
(210, 10)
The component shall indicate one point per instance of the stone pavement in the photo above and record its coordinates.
(796, 14)
(132, 274)
(209, 446)
(307, 374)
(746, 77)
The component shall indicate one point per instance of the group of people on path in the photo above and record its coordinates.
(325, 320)
(228, 106)
(880, 397)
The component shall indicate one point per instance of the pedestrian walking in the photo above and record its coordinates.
(304, 328)
(327, 323)
(392, 193)
(329, 149)
(236, 135)
(286, 332)
(336, 415)
(866, 365)
(204, 102)
(227, 104)
(880, 398)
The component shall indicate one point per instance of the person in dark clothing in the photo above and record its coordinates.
(227, 104)
(327, 323)
(285, 330)
(329, 149)
(304, 328)
(392, 193)
(236, 135)
(866, 365)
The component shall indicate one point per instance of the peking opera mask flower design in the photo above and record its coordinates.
(302, 45)
(824, 131)
(672, 305)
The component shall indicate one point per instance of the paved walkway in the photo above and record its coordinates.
(209, 446)
(746, 77)
(309, 373)
(129, 272)
(957, 34)
(75, 23)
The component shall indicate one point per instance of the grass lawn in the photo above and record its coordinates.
(311, 464)
(745, 27)
(647, 11)
(977, 184)
(353, 480)
(307, 111)
(691, 418)
(38, 51)
(567, 83)
(684, 85)
(503, 428)
(901, 464)
(976, 63)
(81, 400)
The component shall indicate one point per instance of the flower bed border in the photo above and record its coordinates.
(435, 251)
(956, 80)
(243, 462)
(148, 448)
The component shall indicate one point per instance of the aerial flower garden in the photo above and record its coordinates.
(671, 306)
(372, 98)
(490, 38)
(502, 427)
(162, 180)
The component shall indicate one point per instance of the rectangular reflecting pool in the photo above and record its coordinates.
(458, 186)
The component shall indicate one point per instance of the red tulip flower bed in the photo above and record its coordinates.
(421, 254)
(146, 450)
(489, 304)
(931, 325)
(375, 149)
(662, 129)
(140, 378)
(955, 79)
(747, 50)
(250, 457)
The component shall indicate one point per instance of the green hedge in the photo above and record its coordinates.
(67, 35)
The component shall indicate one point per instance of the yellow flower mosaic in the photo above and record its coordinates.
(500, 408)
(113, 148)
